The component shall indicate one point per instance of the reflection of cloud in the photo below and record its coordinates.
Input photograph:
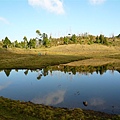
(51, 99)
(96, 101)
(5, 85)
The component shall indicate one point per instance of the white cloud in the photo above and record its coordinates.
(4, 20)
(96, 2)
(53, 98)
(97, 102)
(55, 6)
(4, 85)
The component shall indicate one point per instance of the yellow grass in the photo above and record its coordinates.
(62, 54)
(72, 49)
(94, 62)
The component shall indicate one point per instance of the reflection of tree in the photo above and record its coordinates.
(7, 72)
(118, 70)
(103, 69)
(85, 69)
(16, 70)
(26, 72)
(39, 77)
(45, 71)
(73, 70)
(67, 69)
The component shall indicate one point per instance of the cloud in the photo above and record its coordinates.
(53, 98)
(4, 86)
(4, 20)
(96, 2)
(55, 6)
(97, 102)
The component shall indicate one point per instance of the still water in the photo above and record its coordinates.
(64, 88)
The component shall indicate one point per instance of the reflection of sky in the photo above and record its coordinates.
(52, 98)
(64, 90)
(4, 85)
(96, 102)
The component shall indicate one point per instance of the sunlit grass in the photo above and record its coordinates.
(38, 58)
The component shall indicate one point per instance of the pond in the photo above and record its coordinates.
(94, 88)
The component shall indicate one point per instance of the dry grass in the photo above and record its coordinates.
(37, 58)
(94, 62)
(72, 49)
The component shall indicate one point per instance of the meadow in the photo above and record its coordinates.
(38, 58)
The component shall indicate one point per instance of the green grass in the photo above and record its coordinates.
(16, 110)
(9, 59)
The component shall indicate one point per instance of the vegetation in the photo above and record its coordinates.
(16, 110)
(42, 40)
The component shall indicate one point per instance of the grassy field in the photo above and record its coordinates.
(72, 55)
(38, 58)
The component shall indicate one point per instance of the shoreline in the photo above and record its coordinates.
(17, 109)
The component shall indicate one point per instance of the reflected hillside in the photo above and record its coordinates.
(85, 70)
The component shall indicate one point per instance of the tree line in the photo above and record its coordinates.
(42, 40)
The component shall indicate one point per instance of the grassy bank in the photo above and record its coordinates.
(16, 110)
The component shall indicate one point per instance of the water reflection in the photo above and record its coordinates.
(52, 98)
(86, 70)
(87, 87)
(97, 102)
(4, 85)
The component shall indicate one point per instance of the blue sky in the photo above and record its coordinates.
(19, 18)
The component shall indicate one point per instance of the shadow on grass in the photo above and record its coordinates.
(10, 59)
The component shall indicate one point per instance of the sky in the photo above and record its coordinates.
(19, 18)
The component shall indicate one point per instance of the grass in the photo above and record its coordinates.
(39, 58)
(97, 62)
(26, 60)
(16, 110)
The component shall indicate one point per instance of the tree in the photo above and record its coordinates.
(91, 39)
(97, 39)
(73, 38)
(22, 44)
(16, 44)
(6, 42)
(46, 41)
(38, 42)
(65, 40)
(25, 41)
(38, 32)
(105, 41)
(32, 43)
(43, 39)
(101, 38)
